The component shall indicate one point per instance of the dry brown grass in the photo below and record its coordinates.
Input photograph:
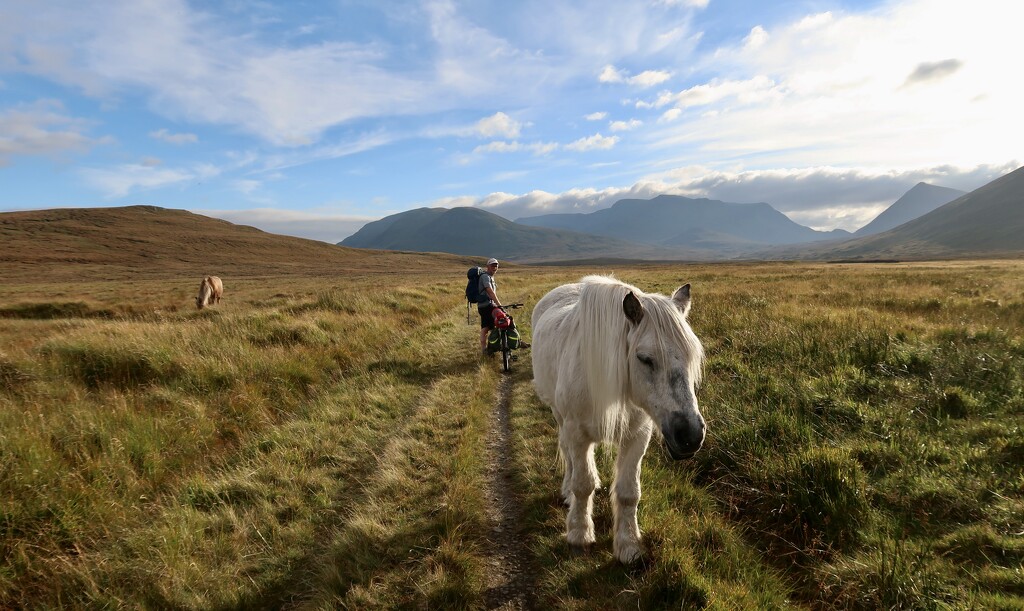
(316, 440)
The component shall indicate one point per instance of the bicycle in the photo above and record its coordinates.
(502, 322)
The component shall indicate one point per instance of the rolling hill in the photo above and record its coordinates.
(920, 200)
(987, 222)
(471, 231)
(673, 220)
(148, 241)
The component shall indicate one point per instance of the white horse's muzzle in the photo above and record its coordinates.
(684, 434)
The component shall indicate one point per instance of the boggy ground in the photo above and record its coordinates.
(336, 442)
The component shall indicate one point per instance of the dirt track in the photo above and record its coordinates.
(511, 580)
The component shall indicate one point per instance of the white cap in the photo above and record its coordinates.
(492, 261)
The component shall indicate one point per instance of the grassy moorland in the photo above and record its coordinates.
(321, 442)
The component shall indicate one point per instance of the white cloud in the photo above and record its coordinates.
(501, 146)
(647, 78)
(670, 115)
(621, 126)
(834, 89)
(756, 39)
(199, 66)
(343, 148)
(498, 124)
(543, 148)
(687, 3)
(812, 22)
(166, 136)
(757, 89)
(119, 181)
(596, 116)
(498, 146)
(590, 143)
(610, 75)
(41, 129)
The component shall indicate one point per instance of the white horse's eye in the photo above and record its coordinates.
(646, 360)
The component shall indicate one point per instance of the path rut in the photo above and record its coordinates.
(511, 581)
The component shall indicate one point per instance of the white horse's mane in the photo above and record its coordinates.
(602, 334)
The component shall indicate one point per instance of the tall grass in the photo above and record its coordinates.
(318, 442)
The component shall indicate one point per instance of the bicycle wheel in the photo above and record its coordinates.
(506, 352)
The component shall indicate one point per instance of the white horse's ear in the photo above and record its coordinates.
(631, 306)
(682, 298)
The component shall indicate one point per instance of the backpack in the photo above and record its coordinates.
(473, 286)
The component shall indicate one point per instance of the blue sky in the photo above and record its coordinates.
(312, 118)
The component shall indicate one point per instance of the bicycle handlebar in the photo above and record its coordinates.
(511, 306)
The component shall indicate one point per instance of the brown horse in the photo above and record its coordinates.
(210, 291)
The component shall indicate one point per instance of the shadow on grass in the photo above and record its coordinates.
(54, 310)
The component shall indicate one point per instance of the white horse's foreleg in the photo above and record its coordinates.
(579, 523)
(566, 454)
(626, 490)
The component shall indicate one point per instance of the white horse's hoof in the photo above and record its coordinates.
(629, 553)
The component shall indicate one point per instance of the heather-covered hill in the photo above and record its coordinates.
(137, 241)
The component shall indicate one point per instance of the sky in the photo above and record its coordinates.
(311, 118)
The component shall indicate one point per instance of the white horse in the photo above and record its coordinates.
(612, 362)
(211, 289)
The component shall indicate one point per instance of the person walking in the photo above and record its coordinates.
(488, 301)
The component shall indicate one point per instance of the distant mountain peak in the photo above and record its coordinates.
(921, 199)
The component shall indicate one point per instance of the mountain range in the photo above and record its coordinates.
(673, 220)
(472, 231)
(72, 245)
(927, 221)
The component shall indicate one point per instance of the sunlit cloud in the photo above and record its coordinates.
(609, 74)
(813, 93)
(499, 124)
(621, 126)
(756, 39)
(647, 78)
(591, 143)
